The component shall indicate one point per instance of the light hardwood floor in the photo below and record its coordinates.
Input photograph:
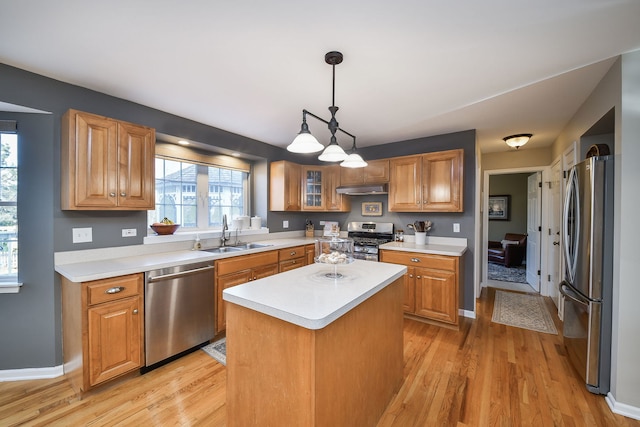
(485, 374)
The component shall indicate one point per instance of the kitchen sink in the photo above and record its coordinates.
(237, 248)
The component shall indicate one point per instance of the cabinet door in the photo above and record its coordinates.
(222, 283)
(310, 251)
(333, 200)
(409, 303)
(114, 339)
(264, 271)
(442, 181)
(284, 186)
(93, 162)
(405, 192)
(312, 188)
(376, 172)
(136, 176)
(437, 295)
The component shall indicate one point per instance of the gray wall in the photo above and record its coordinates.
(30, 321)
(514, 185)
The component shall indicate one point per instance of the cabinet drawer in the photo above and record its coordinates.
(438, 262)
(244, 262)
(112, 289)
(291, 253)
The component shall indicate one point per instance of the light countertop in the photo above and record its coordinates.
(87, 269)
(307, 298)
(434, 247)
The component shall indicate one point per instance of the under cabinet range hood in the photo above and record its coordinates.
(362, 189)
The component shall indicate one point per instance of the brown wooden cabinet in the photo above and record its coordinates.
(431, 182)
(334, 202)
(106, 164)
(103, 329)
(431, 284)
(284, 186)
(238, 270)
(291, 258)
(310, 251)
(376, 172)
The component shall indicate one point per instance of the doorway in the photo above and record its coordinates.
(527, 218)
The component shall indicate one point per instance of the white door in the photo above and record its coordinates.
(555, 226)
(534, 217)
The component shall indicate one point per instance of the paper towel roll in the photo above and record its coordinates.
(256, 223)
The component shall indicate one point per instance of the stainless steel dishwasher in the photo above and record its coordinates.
(179, 310)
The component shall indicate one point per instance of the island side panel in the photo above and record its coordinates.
(269, 375)
(359, 361)
(345, 374)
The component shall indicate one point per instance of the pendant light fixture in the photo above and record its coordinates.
(517, 141)
(307, 143)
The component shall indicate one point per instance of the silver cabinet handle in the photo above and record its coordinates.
(123, 194)
(415, 259)
(135, 311)
(411, 276)
(292, 253)
(418, 277)
(112, 194)
(115, 290)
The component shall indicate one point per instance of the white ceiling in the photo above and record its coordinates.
(411, 68)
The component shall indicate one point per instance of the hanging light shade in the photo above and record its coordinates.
(333, 152)
(517, 141)
(306, 143)
(353, 160)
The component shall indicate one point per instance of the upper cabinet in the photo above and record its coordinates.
(376, 172)
(431, 182)
(284, 186)
(296, 187)
(107, 164)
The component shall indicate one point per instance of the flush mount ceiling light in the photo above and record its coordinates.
(307, 143)
(517, 141)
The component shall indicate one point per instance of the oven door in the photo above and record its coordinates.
(366, 252)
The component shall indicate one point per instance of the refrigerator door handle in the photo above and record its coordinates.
(568, 293)
(571, 241)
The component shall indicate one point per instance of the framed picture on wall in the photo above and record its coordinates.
(499, 207)
(372, 209)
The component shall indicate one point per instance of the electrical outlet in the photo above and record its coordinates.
(82, 235)
(129, 232)
(456, 227)
(321, 222)
(285, 224)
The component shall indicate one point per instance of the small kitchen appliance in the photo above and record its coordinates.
(367, 237)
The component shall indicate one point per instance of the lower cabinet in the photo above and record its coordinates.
(310, 251)
(238, 270)
(431, 284)
(291, 258)
(103, 329)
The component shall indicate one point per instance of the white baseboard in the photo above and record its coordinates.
(31, 373)
(467, 313)
(622, 408)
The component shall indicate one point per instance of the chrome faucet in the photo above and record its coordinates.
(225, 227)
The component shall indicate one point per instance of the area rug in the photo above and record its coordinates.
(507, 274)
(522, 311)
(217, 350)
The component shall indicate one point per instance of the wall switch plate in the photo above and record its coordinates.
(82, 235)
(129, 232)
(321, 222)
(456, 227)
(285, 224)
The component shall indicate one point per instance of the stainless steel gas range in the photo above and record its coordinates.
(367, 236)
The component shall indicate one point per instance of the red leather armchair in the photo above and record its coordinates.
(510, 252)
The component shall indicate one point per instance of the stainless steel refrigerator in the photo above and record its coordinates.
(587, 285)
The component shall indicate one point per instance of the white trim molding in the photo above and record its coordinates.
(31, 373)
(622, 408)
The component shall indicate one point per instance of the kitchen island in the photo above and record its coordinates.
(304, 349)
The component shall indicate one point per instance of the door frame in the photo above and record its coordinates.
(544, 239)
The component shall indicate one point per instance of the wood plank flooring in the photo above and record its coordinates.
(485, 374)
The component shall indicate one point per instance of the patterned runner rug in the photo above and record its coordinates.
(217, 350)
(522, 311)
(507, 274)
